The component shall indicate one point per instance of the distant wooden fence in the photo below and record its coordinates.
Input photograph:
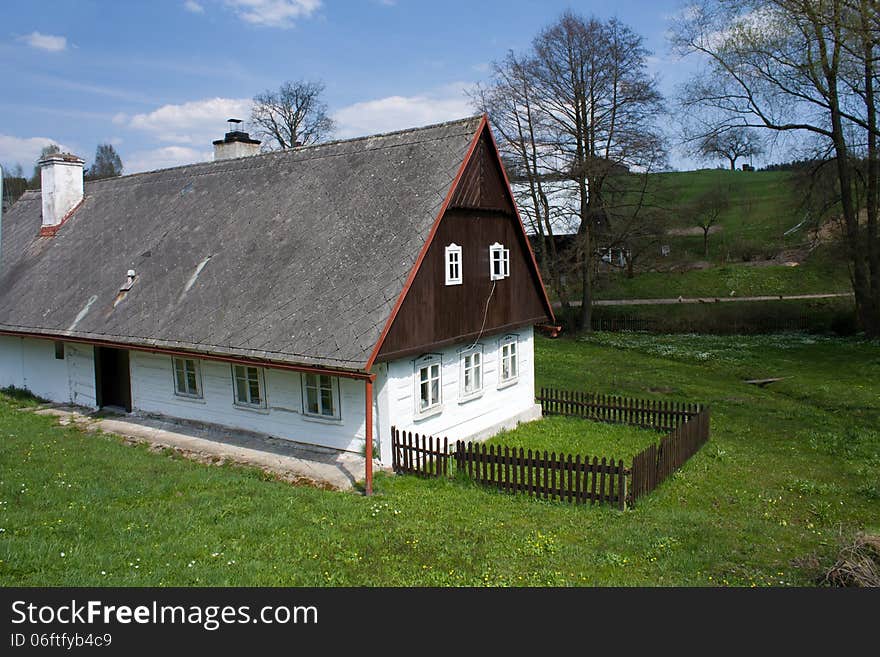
(570, 478)
(645, 413)
(635, 324)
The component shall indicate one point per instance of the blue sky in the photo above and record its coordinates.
(158, 79)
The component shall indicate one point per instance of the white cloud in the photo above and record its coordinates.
(47, 42)
(273, 13)
(162, 158)
(197, 122)
(24, 151)
(400, 112)
(193, 7)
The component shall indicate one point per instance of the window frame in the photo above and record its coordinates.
(498, 253)
(475, 350)
(197, 373)
(506, 342)
(334, 392)
(261, 386)
(453, 250)
(427, 362)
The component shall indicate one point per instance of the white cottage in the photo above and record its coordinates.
(320, 294)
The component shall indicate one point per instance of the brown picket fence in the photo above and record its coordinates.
(653, 465)
(546, 476)
(645, 413)
(425, 456)
(565, 477)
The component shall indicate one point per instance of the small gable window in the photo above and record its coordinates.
(321, 396)
(453, 264)
(471, 364)
(428, 385)
(249, 386)
(509, 365)
(187, 378)
(499, 262)
(59, 350)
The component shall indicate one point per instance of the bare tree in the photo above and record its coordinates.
(509, 99)
(729, 144)
(14, 184)
(637, 216)
(294, 115)
(705, 212)
(576, 112)
(805, 67)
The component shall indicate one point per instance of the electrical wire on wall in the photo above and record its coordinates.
(485, 315)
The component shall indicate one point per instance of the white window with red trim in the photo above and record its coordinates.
(453, 264)
(499, 262)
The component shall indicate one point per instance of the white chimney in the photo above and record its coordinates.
(236, 142)
(61, 176)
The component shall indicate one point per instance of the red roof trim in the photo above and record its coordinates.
(484, 121)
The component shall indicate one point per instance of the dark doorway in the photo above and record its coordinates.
(112, 378)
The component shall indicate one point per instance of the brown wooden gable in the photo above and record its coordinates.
(482, 185)
(479, 214)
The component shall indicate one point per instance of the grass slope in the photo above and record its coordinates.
(819, 274)
(760, 210)
(789, 470)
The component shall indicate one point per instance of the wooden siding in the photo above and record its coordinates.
(434, 314)
(482, 183)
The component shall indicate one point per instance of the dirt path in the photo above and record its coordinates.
(660, 302)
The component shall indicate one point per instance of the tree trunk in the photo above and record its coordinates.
(706, 242)
(872, 187)
(586, 319)
(732, 163)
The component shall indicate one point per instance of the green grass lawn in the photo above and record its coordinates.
(789, 472)
(574, 436)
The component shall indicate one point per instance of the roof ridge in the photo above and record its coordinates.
(289, 151)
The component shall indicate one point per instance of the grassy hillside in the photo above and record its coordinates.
(818, 274)
(762, 207)
(790, 471)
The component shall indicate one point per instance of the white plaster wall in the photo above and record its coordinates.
(11, 365)
(152, 391)
(460, 420)
(30, 363)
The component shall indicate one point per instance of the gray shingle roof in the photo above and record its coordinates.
(305, 252)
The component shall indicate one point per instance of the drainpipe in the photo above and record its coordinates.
(368, 408)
